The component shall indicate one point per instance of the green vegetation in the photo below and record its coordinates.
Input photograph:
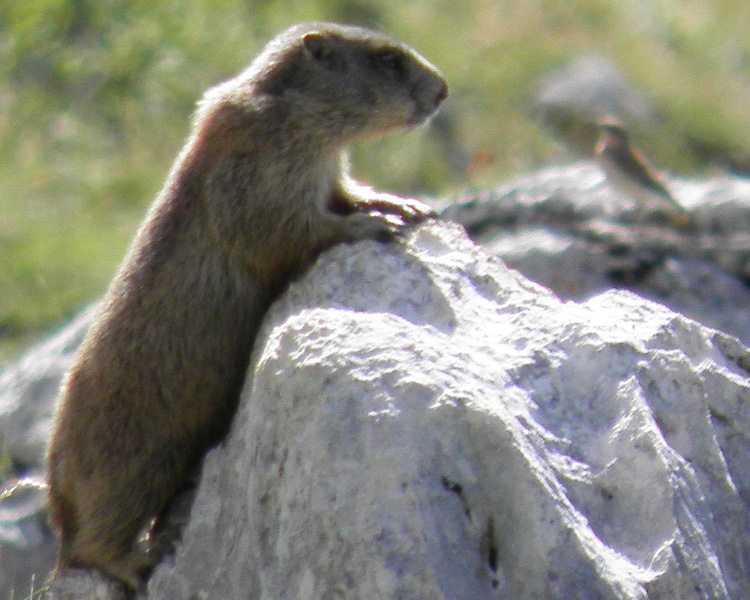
(95, 99)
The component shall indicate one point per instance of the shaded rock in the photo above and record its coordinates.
(27, 394)
(27, 549)
(81, 584)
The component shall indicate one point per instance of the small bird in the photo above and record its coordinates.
(629, 174)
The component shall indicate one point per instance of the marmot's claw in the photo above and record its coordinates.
(394, 221)
(414, 210)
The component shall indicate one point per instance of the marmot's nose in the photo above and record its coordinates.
(442, 94)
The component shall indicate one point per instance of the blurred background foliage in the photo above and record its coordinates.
(96, 96)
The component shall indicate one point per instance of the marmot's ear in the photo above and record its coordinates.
(322, 49)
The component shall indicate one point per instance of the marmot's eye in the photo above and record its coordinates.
(391, 61)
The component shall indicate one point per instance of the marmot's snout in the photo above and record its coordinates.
(428, 96)
(442, 94)
(439, 92)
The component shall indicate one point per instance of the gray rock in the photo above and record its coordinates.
(84, 584)
(26, 544)
(589, 88)
(27, 393)
(28, 390)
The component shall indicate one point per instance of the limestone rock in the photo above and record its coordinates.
(426, 423)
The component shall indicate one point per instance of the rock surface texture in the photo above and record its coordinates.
(429, 424)
(421, 421)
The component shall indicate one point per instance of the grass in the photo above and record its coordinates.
(33, 593)
(95, 99)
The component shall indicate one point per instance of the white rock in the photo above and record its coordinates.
(426, 423)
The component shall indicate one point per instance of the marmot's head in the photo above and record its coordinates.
(337, 82)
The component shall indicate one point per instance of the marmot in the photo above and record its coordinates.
(258, 191)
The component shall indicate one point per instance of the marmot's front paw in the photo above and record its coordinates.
(408, 209)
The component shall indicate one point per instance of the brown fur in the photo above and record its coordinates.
(256, 194)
